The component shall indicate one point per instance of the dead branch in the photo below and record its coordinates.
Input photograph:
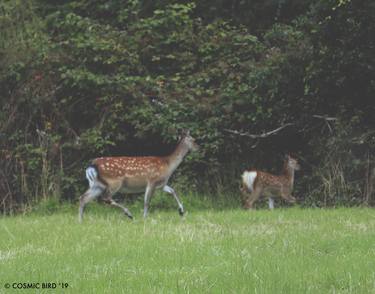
(325, 117)
(259, 136)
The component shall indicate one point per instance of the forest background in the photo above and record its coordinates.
(251, 79)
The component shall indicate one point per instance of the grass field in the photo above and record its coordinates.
(288, 250)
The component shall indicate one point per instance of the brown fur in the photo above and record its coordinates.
(267, 184)
(134, 175)
(130, 167)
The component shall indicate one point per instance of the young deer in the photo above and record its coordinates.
(107, 175)
(256, 183)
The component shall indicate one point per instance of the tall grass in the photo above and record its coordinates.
(228, 251)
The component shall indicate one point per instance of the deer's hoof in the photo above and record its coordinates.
(181, 211)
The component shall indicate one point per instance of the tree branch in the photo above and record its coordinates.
(325, 117)
(257, 136)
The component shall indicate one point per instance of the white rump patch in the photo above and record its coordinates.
(248, 178)
(91, 175)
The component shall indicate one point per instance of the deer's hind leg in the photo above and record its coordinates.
(107, 198)
(254, 196)
(271, 203)
(92, 193)
(150, 189)
(244, 195)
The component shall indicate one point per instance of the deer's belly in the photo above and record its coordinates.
(135, 185)
(271, 191)
(132, 190)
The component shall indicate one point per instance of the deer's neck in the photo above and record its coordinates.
(176, 157)
(289, 174)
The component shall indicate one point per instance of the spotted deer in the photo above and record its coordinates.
(108, 175)
(257, 183)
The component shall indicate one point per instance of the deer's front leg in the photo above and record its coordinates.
(148, 193)
(288, 196)
(292, 199)
(170, 190)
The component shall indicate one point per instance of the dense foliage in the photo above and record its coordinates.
(89, 78)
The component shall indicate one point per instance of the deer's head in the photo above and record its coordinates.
(189, 141)
(292, 163)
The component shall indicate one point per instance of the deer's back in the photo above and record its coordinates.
(271, 181)
(132, 169)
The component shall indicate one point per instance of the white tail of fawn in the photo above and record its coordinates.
(108, 175)
(256, 183)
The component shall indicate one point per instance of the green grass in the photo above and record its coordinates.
(229, 251)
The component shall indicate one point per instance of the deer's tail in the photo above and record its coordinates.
(92, 174)
(248, 179)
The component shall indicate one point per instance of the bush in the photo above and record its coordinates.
(93, 78)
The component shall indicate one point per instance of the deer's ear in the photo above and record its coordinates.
(184, 133)
(180, 134)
